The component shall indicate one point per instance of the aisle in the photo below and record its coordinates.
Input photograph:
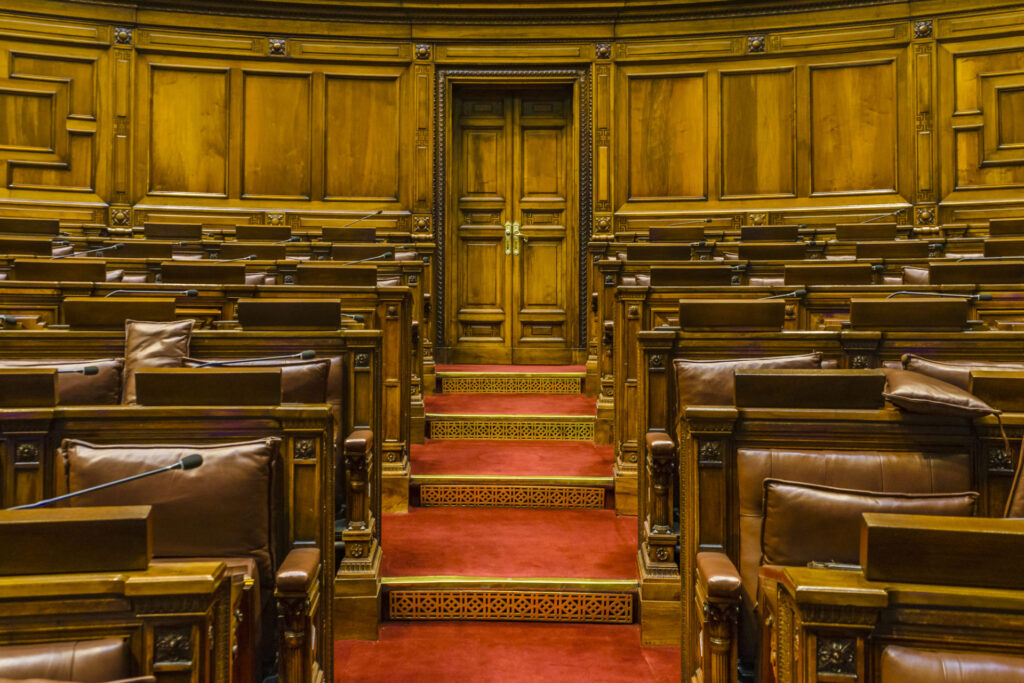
(511, 564)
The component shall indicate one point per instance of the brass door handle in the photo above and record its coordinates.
(508, 237)
(517, 236)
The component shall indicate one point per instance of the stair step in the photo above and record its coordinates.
(547, 460)
(510, 379)
(510, 404)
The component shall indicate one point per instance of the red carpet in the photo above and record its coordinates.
(510, 543)
(505, 653)
(510, 404)
(527, 458)
(511, 368)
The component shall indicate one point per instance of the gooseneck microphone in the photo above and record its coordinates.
(293, 238)
(354, 316)
(183, 292)
(250, 257)
(363, 218)
(386, 254)
(975, 297)
(88, 371)
(8, 320)
(308, 354)
(884, 215)
(689, 222)
(796, 293)
(189, 462)
(111, 247)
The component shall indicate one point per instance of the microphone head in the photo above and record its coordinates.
(984, 297)
(378, 212)
(800, 292)
(8, 319)
(308, 354)
(191, 292)
(90, 370)
(190, 462)
(358, 318)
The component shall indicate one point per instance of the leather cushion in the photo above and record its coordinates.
(88, 661)
(916, 276)
(712, 382)
(810, 523)
(901, 664)
(153, 345)
(75, 389)
(302, 381)
(1015, 503)
(956, 372)
(221, 508)
(917, 393)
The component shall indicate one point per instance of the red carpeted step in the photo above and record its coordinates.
(510, 543)
(512, 458)
(505, 653)
(525, 369)
(510, 404)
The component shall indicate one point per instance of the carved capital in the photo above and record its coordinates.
(923, 29)
(710, 453)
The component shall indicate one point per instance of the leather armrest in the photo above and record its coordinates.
(660, 444)
(717, 575)
(298, 571)
(359, 441)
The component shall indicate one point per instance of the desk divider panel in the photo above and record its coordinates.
(26, 246)
(270, 233)
(213, 386)
(195, 272)
(283, 314)
(769, 233)
(173, 231)
(825, 389)
(63, 270)
(772, 251)
(976, 272)
(340, 234)
(362, 275)
(29, 226)
(738, 314)
(1001, 247)
(82, 312)
(677, 233)
(837, 274)
(28, 388)
(910, 249)
(695, 275)
(925, 313)
(866, 232)
(267, 252)
(666, 251)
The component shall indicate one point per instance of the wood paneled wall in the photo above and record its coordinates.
(117, 113)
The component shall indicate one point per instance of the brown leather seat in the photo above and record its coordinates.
(904, 664)
(85, 661)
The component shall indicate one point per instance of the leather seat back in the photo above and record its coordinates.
(87, 661)
(900, 664)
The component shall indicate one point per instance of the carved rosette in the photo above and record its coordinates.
(755, 44)
(27, 454)
(275, 218)
(422, 51)
(602, 224)
(710, 453)
(925, 215)
(757, 218)
(860, 361)
(421, 224)
(122, 35)
(999, 461)
(172, 646)
(305, 449)
(362, 360)
(657, 362)
(277, 47)
(923, 29)
(120, 216)
(837, 656)
(603, 51)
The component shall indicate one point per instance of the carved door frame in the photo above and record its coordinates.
(444, 78)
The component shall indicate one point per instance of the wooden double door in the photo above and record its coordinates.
(512, 274)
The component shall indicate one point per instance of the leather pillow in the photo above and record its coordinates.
(712, 382)
(956, 372)
(916, 276)
(302, 381)
(808, 523)
(917, 393)
(74, 389)
(1015, 503)
(221, 508)
(153, 345)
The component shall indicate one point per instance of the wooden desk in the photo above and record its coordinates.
(833, 625)
(176, 616)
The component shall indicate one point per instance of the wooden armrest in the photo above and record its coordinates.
(717, 575)
(660, 444)
(359, 441)
(298, 571)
